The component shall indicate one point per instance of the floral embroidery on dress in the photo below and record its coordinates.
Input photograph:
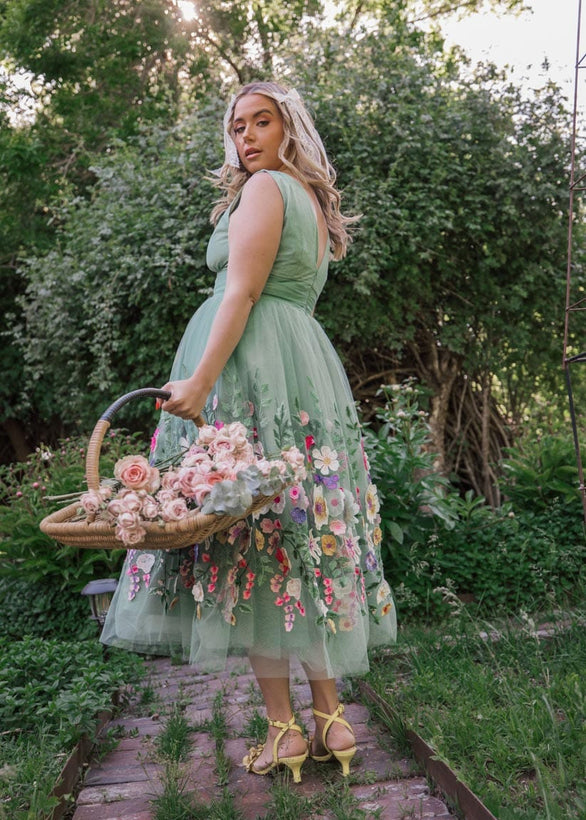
(323, 527)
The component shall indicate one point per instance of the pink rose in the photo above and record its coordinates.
(201, 493)
(206, 435)
(226, 468)
(164, 496)
(131, 501)
(264, 466)
(170, 481)
(137, 474)
(195, 456)
(303, 417)
(214, 477)
(174, 510)
(91, 502)
(129, 520)
(189, 479)
(116, 506)
(338, 527)
(221, 445)
(130, 536)
(296, 459)
(238, 435)
(150, 508)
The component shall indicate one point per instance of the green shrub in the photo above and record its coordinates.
(59, 684)
(540, 471)
(43, 610)
(50, 694)
(439, 546)
(414, 496)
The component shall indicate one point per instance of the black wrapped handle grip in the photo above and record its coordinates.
(92, 462)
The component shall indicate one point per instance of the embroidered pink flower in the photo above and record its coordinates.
(303, 417)
(137, 474)
(154, 438)
(338, 527)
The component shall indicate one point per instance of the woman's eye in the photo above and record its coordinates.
(262, 123)
(239, 130)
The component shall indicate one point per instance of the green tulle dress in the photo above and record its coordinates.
(305, 578)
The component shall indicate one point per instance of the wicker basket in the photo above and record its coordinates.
(195, 527)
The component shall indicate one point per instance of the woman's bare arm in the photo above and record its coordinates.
(254, 234)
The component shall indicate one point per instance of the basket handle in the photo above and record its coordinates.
(92, 461)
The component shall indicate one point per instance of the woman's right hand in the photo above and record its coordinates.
(187, 400)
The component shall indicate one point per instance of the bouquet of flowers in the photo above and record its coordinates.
(220, 473)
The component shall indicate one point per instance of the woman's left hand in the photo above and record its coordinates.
(187, 398)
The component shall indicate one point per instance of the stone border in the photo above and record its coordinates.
(454, 789)
(71, 772)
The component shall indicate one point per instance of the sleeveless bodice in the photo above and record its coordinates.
(297, 276)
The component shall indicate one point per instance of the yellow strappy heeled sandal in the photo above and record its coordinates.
(344, 756)
(293, 762)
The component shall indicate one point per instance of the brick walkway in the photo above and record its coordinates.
(124, 782)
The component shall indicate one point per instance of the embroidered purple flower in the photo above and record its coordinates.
(298, 515)
(134, 587)
(370, 561)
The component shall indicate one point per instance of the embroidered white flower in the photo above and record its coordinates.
(145, 562)
(320, 508)
(314, 547)
(383, 592)
(326, 460)
(197, 591)
(294, 587)
(372, 502)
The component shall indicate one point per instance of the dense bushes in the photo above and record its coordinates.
(53, 675)
(440, 546)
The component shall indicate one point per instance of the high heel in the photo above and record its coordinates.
(344, 756)
(293, 762)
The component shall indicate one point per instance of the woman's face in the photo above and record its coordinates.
(258, 132)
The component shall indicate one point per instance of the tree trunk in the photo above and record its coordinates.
(16, 436)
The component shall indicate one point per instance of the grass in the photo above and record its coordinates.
(507, 715)
(175, 802)
(30, 765)
(174, 741)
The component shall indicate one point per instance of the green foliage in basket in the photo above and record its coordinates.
(26, 552)
(440, 546)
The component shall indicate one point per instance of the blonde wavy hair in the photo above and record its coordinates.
(301, 152)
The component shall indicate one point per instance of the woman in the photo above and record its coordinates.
(304, 578)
